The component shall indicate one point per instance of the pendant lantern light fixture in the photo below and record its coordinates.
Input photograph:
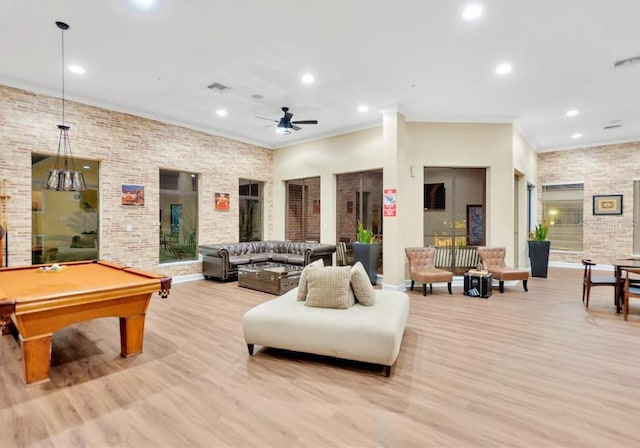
(64, 176)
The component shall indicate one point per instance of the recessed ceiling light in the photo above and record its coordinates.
(472, 11)
(503, 69)
(572, 112)
(576, 135)
(308, 78)
(363, 108)
(86, 167)
(221, 113)
(76, 69)
(143, 4)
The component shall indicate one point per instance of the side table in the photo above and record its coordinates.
(477, 284)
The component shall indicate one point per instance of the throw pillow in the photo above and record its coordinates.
(330, 287)
(362, 287)
(302, 284)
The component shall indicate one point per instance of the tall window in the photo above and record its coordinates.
(303, 210)
(359, 198)
(562, 209)
(64, 224)
(178, 216)
(250, 209)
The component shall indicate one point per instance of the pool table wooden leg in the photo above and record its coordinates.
(131, 335)
(36, 357)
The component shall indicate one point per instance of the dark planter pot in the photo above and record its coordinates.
(368, 255)
(539, 257)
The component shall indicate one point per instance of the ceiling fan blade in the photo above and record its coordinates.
(297, 128)
(270, 119)
(305, 122)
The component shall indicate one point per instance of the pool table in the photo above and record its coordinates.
(38, 302)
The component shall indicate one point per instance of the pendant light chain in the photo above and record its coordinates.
(65, 177)
(62, 32)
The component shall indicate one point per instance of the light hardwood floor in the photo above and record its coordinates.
(519, 369)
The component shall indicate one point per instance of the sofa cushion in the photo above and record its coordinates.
(361, 284)
(329, 287)
(260, 257)
(279, 257)
(295, 259)
(235, 260)
(302, 283)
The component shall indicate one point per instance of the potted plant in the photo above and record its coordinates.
(367, 251)
(539, 248)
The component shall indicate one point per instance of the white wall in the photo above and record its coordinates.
(473, 146)
(358, 151)
(490, 146)
(525, 163)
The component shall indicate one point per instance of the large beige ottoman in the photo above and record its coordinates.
(370, 334)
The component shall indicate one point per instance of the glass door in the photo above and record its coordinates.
(250, 211)
(359, 198)
(454, 215)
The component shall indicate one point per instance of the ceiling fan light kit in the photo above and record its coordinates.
(285, 125)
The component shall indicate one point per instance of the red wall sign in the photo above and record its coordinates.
(389, 197)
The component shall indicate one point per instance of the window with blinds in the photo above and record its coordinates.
(562, 209)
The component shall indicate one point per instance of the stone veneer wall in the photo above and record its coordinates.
(131, 150)
(609, 169)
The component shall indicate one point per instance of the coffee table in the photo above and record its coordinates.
(272, 278)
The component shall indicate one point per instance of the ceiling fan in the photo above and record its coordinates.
(285, 125)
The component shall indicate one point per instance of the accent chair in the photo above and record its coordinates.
(422, 269)
(492, 258)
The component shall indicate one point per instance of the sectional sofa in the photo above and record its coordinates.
(221, 261)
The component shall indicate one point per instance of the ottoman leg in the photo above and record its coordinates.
(524, 285)
(250, 348)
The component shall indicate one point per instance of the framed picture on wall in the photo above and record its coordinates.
(475, 225)
(176, 214)
(222, 202)
(610, 204)
(133, 195)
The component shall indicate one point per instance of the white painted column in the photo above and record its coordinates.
(395, 173)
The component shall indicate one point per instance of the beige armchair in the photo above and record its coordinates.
(492, 258)
(422, 269)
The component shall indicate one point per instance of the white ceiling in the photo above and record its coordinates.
(416, 55)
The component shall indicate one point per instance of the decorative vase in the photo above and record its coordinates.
(368, 254)
(539, 257)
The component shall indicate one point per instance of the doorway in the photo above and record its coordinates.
(455, 215)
